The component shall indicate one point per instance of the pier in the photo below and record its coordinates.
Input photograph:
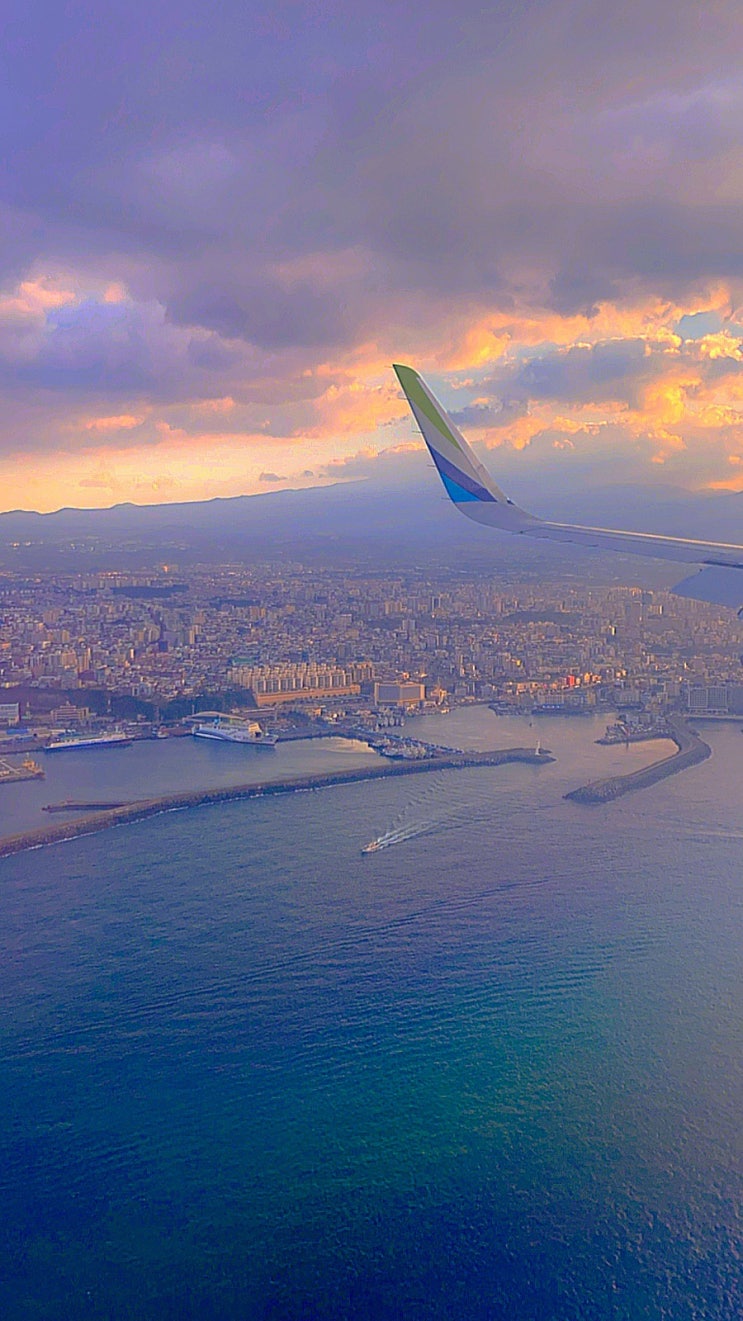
(691, 750)
(138, 811)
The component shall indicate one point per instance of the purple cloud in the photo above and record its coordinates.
(276, 186)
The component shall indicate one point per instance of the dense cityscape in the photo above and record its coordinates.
(159, 645)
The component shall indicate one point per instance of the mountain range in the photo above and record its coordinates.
(373, 521)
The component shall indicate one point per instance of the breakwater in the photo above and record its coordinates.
(138, 811)
(70, 806)
(690, 750)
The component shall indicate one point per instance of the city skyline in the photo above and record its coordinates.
(299, 631)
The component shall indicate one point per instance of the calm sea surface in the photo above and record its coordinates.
(494, 1070)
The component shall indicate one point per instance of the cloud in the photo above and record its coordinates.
(122, 422)
(226, 224)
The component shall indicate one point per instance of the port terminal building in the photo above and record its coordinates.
(719, 699)
(405, 693)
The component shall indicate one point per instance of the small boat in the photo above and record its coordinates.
(371, 848)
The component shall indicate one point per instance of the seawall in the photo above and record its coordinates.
(146, 807)
(690, 750)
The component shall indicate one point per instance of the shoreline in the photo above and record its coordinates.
(146, 807)
(690, 751)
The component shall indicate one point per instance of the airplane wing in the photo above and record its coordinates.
(471, 488)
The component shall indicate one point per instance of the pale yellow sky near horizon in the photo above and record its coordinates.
(620, 396)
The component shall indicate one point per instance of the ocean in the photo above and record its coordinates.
(493, 1070)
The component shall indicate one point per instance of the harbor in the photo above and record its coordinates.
(85, 785)
(139, 810)
(690, 751)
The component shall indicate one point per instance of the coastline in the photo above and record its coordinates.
(690, 751)
(143, 808)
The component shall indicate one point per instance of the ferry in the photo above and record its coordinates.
(76, 742)
(233, 729)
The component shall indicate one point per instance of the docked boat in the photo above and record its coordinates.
(234, 729)
(11, 772)
(76, 742)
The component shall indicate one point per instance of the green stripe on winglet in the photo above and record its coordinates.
(411, 384)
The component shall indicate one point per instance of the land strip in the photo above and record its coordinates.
(137, 811)
(690, 750)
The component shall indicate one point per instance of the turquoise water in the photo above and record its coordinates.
(494, 1070)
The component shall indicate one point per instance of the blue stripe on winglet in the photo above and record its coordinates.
(457, 493)
(455, 480)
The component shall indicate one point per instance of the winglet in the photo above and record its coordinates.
(473, 491)
(466, 481)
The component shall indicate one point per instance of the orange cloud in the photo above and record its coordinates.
(119, 422)
(355, 408)
(685, 405)
(667, 419)
(476, 346)
(489, 334)
(33, 298)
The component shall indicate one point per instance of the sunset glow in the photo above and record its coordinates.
(222, 314)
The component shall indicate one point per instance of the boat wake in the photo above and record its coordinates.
(721, 833)
(451, 816)
(399, 836)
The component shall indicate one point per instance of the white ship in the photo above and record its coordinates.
(70, 742)
(233, 729)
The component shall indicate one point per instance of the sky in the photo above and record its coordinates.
(220, 224)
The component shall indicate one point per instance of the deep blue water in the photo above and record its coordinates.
(494, 1071)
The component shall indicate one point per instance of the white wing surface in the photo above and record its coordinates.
(473, 491)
